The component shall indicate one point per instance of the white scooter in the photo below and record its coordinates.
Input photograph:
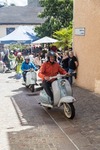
(2, 66)
(32, 79)
(62, 93)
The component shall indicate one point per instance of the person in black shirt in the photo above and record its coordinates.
(72, 66)
(65, 60)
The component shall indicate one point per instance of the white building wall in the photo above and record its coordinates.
(3, 29)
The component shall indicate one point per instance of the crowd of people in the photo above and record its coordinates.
(67, 60)
(49, 64)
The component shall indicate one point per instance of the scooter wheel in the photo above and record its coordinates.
(27, 86)
(48, 108)
(69, 110)
(32, 88)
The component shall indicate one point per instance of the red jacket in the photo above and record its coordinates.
(48, 69)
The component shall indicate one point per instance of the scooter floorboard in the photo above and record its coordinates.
(46, 105)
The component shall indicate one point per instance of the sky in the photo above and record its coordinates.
(16, 2)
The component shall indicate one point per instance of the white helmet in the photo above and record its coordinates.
(27, 58)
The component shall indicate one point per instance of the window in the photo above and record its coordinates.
(9, 30)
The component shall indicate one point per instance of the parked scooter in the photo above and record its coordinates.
(31, 79)
(62, 93)
(2, 67)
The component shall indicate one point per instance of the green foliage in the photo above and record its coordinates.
(58, 14)
(17, 46)
(64, 37)
(47, 28)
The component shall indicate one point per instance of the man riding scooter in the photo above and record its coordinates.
(49, 69)
(26, 66)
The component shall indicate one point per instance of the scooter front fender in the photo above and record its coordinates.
(66, 99)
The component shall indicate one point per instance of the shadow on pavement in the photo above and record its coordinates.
(38, 126)
(12, 77)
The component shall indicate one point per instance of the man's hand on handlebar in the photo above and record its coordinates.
(26, 70)
(47, 78)
(57, 76)
(68, 74)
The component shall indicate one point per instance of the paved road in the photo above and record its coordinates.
(25, 125)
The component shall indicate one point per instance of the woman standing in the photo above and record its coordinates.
(19, 60)
(37, 61)
(65, 60)
(72, 65)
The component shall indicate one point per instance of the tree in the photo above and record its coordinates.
(17, 46)
(64, 37)
(58, 14)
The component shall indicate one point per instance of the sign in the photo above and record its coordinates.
(80, 31)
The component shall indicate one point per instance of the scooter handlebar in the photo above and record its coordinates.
(58, 76)
(30, 70)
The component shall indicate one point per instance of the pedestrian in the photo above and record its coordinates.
(19, 60)
(37, 61)
(65, 60)
(6, 60)
(59, 57)
(72, 66)
(12, 60)
(31, 58)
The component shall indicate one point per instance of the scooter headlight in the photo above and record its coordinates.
(62, 82)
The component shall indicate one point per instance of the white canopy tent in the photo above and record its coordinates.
(22, 33)
(45, 40)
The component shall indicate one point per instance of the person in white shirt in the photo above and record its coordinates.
(37, 61)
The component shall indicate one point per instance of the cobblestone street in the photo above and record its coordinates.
(25, 125)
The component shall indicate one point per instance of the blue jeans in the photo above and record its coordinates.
(70, 78)
(24, 75)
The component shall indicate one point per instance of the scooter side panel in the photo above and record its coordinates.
(44, 97)
(64, 88)
(30, 78)
(34, 77)
(39, 80)
(56, 92)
